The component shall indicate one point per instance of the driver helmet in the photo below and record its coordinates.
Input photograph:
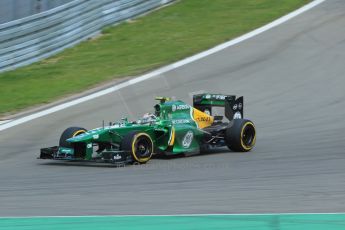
(148, 117)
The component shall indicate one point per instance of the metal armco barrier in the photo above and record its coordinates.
(42, 35)
(15, 9)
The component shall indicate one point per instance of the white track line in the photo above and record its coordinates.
(165, 68)
(180, 215)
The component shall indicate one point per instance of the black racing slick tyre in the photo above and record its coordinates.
(240, 136)
(140, 145)
(69, 133)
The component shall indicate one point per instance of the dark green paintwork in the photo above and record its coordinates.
(175, 115)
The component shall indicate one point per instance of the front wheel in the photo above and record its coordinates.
(140, 145)
(240, 136)
(69, 133)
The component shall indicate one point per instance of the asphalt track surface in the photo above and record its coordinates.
(292, 78)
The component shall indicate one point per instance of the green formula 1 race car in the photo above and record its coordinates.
(174, 128)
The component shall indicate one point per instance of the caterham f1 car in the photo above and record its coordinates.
(174, 128)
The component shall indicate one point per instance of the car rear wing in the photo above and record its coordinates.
(233, 106)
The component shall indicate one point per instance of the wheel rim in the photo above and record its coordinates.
(248, 135)
(143, 147)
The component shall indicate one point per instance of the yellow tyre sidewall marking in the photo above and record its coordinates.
(254, 139)
(78, 132)
(136, 136)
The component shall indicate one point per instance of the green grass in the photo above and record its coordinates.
(137, 46)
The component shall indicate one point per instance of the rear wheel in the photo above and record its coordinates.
(140, 145)
(69, 133)
(240, 136)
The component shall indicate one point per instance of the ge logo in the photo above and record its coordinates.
(187, 139)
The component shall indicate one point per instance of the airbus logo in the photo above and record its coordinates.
(179, 107)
